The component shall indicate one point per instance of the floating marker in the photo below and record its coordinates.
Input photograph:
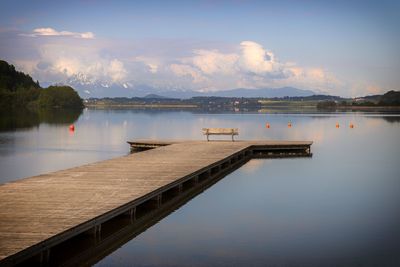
(289, 124)
(267, 126)
(351, 125)
(72, 128)
(337, 125)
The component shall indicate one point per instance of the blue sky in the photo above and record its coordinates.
(345, 48)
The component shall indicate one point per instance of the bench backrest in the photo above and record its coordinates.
(232, 131)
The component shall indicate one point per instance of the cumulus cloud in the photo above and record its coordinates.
(188, 71)
(251, 66)
(151, 63)
(255, 58)
(247, 64)
(116, 71)
(212, 62)
(52, 32)
(62, 61)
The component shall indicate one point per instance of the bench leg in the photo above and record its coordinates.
(207, 138)
(233, 140)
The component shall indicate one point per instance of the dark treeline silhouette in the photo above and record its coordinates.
(390, 98)
(59, 97)
(18, 89)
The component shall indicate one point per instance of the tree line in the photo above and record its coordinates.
(18, 89)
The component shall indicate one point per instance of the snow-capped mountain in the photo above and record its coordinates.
(88, 87)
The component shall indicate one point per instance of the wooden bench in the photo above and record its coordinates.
(221, 131)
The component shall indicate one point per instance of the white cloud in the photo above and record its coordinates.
(212, 61)
(61, 61)
(151, 63)
(52, 32)
(153, 68)
(374, 89)
(255, 58)
(116, 71)
(67, 66)
(248, 64)
(313, 78)
(187, 70)
(362, 88)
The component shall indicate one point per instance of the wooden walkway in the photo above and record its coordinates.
(40, 212)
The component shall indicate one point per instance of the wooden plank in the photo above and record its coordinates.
(44, 210)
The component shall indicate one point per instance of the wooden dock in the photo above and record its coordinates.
(39, 213)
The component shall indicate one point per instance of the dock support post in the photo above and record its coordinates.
(159, 200)
(132, 214)
(215, 170)
(96, 231)
(44, 257)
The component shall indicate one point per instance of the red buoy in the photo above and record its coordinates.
(72, 127)
(267, 126)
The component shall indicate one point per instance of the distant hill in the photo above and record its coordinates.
(97, 89)
(18, 90)
(264, 92)
(390, 98)
(154, 96)
(311, 98)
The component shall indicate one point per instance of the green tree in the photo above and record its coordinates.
(17, 89)
(12, 80)
(59, 97)
(391, 98)
(326, 105)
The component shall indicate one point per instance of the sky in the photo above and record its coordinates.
(346, 48)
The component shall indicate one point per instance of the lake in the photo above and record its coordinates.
(338, 208)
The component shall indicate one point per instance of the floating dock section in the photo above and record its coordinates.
(39, 215)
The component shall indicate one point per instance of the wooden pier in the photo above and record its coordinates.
(39, 214)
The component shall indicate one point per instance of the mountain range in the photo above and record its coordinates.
(89, 88)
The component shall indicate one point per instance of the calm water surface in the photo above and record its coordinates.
(338, 208)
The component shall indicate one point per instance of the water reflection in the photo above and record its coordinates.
(392, 119)
(287, 213)
(12, 120)
(338, 208)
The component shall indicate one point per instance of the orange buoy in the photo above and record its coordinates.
(289, 124)
(72, 127)
(267, 126)
(351, 125)
(337, 125)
